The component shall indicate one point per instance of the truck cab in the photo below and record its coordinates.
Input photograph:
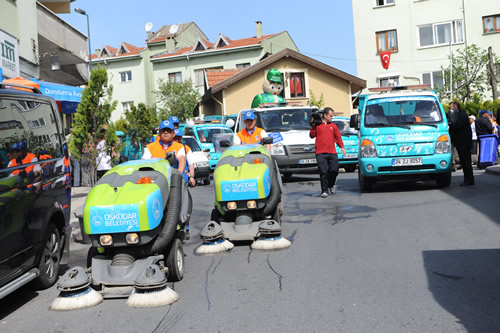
(403, 134)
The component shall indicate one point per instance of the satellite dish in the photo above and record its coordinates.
(173, 29)
(148, 26)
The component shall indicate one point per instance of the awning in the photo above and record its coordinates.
(68, 97)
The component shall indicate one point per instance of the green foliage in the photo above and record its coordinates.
(142, 121)
(469, 74)
(176, 99)
(476, 104)
(122, 125)
(92, 117)
(318, 103)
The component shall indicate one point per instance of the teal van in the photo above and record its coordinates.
(403, 134)
(350, 139)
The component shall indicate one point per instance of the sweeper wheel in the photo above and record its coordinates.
(175, 261)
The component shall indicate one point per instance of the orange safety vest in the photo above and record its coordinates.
(29, 157)
(246, 138)
(158, 151)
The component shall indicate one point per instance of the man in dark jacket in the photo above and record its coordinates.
(483, 127)
(461, 138)
(327, 135)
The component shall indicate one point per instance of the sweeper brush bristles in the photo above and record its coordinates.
(149, 298)
(80, 299)
(217, 247)
(271, 243)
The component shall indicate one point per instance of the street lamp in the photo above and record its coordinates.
(81, 11)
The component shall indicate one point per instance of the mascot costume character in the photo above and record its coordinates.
(272, 86)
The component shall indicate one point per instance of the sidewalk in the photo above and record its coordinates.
(78, 196)
(494, 170)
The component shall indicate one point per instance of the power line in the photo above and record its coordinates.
(359, 60)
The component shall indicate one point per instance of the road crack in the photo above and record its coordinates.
(206, 285)
(280, 277)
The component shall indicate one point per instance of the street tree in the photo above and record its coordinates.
(319, 103)
(469, 74)
(142, 121)
(176, 99)
(91, 122)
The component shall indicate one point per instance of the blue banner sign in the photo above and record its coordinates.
(114, 219)
(276, 137)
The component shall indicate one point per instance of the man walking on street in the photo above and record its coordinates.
(327, 135)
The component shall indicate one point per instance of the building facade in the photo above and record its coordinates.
(420, 34)
(302, 76)
(178, 53)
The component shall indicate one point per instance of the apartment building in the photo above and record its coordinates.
(177, 53)
(420, 35)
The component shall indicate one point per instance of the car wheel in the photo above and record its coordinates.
(175, 261)
(365, 184)
(443, 179)
(50, 260)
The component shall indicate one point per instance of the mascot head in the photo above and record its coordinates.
(273, 83)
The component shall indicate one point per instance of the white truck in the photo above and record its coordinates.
(289, 127)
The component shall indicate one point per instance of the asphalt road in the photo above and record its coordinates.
(406, 257)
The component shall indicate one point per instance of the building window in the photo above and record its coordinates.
(199, 77)
(175, 77)
(126, 76)
(36, 123)
(245, 65)
(380, 3)
(296, 84)
(491, 23)
(392, 81)
(387, 41)
(434, 79)
(441, 33)
(126, 106)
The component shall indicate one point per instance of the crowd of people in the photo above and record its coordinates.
(466, 132)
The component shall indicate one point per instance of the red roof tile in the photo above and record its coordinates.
(111, 49)
(157, 40)
(232, 44)
(215, 76)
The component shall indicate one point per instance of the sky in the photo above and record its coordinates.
(322, 30)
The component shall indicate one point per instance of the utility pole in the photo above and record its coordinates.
(451, 73)
(493, 78)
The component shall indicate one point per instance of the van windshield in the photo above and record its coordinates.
(397, 111)
(344, 128)
(284, 120)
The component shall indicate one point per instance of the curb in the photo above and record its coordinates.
(493, 170)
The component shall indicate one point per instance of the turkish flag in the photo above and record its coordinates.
(386, 58)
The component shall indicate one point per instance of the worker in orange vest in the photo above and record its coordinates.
(251, 133)
(164, 144)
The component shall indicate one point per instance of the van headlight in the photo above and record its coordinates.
(443, 145)
(202, 164)
(277, 149)
(368, 148)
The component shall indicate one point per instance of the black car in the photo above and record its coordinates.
(35, 190)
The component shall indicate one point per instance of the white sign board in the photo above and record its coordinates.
(9, 55)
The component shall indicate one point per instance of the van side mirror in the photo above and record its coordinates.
(354, 121)
(171, 158)
(267, 141)
(225, 143)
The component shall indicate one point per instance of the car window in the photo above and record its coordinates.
(28, 130)
(206, 134)
(191, 142)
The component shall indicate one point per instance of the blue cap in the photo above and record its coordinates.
(166, 124)
(19, 145)
(178, 132)
(173, 120)
(249, 115)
